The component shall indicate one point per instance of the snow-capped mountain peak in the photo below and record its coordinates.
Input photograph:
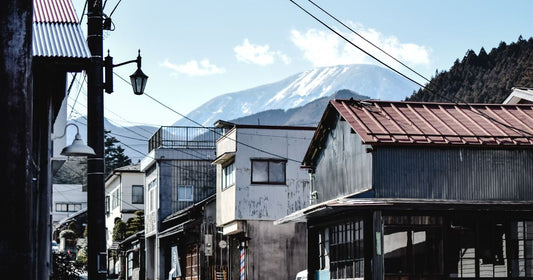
(302, 88)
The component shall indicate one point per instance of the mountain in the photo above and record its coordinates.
(300, 89)
(134, 139)
(306, 115)
(483, 77)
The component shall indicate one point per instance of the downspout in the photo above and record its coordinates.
(313, 194)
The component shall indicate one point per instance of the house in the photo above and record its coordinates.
(407, 190)
(124, 189)
(178, 175)
(67, 199)
(520, 95)
(193, 241)
(259, 180)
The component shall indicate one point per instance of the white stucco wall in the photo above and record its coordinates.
(246, 201)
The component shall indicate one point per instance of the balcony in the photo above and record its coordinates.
(184, 137)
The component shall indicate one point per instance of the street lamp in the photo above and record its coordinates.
(138, 78)
(77, 148)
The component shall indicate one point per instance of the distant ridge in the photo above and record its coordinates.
(369, 80)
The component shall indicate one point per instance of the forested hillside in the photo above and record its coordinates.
(483, 77)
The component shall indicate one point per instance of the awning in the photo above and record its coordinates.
(173, 230)
(339, 205)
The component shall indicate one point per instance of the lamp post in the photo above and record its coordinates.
(97, 257)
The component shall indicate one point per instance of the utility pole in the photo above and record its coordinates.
(18, 254)
(97, 258)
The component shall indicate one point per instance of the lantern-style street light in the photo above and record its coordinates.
(138, 78)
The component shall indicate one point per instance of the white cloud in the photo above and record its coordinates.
(257, 54)
(326, 48)
(194, 68)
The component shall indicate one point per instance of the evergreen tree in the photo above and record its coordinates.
(114, 154)
(135, 224)
(119, 230)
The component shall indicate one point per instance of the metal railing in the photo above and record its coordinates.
(184, 137)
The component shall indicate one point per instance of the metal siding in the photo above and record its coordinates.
(197, 173)
(453, 173)
(344, 166)
(59, 40)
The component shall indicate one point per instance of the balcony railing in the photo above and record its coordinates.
(185, 137)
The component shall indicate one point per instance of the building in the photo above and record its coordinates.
(124, 189)
(67, 199)
(259, 180)
(178, 175)
(33, 71)
(193, 242)
(520, 95)
(407, 190)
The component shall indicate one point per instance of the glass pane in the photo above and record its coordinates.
(277, 172)
(259, 171)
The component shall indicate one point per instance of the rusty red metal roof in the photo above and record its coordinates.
(56, 11)
(56, 31)
(386, 122)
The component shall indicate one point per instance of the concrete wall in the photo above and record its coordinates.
(263, 201)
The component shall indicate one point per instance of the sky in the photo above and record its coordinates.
(193, 51)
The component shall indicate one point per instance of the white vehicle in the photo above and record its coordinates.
(302, 275)
(55, 248)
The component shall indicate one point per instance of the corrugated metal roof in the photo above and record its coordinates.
(58, 11)
(59, 40)
(386, 122)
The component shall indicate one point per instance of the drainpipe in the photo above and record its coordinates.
(313, 194)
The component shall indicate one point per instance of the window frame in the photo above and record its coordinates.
(228, 180)
(268, 180)
(191, 196)
(140, 194)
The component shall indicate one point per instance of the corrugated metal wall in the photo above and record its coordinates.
(453, 173)
(200, 174)
(344, 167)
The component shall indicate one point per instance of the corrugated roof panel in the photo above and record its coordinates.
(58, 11)
(59, 40)
(438, 123)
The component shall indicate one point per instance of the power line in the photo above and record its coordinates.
(375, 46)
(464, 103)
(210, 129)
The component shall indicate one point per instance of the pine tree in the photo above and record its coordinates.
(114, 155)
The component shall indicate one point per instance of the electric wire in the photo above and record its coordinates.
(210, 129)
(368, 41)
(463, 103)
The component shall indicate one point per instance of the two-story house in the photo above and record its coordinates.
(178, 175)
(259, 180)
(124, 188)
(407, 190)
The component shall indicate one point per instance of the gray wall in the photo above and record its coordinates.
(453, 173)
(344, 167)
(274, 252)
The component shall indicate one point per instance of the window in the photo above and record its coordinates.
(268, 171)
(115, 199)
(137, 194)
(151, 196)
(228, 175)
(68, 207)
(185, 193)
(107, 204)
(130, 265)
(346, 250)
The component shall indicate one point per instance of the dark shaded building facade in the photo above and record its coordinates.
(406, 190)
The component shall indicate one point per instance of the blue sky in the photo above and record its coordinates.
(196, 50)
